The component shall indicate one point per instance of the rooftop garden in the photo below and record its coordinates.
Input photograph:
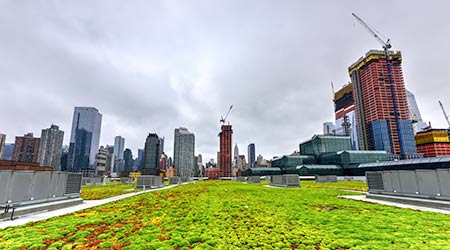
(232, 215)
(98, 192)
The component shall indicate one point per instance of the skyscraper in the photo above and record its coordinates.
(26, 148)
(84, 139)
(151, 155)
(119, 146)
(183, 152)
(381, 109)
(414, 113)
(139, 161)
(2, 144)
(225, 144)
(344, 108)
(251, 155)
(50, 147)
(119, 163)
(128, 158)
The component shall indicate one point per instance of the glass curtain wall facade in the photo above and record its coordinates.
(84, 139)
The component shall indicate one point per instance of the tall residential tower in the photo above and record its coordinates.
(183, 152)
(26, 148)
(50, 147)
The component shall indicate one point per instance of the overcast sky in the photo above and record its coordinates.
(152, 66)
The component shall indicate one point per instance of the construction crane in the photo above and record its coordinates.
(386, 46)
(223, 119)
(445, 114)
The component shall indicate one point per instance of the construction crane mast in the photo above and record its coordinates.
(223, 119)
(386, 46)
(445, 114)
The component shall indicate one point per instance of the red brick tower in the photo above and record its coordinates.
(225, 153)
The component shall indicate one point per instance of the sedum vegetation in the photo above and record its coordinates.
(98, 192)
(231, 215)
(345, 185)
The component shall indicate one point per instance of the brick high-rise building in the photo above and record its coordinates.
(382, 114)
(26, 148)
(225, 154)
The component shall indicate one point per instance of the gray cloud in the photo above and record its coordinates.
(151, 66)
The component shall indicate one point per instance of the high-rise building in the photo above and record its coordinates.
(119, 163)
(8, 151)
(328, 128)
(381, 109)
(139, 161)
(64, 156)
(119, 147)
(163, 163)
(418, 124)
(225, 154)
(50, 147)
(259, 160)
(161, 145)
(345, 119)
(84, 139)
(128, 158)
(200, 171)
(110, 159)
(2, 144)
(151, 155)
(26, 148)
(251, 155)
(235, 155)
(101, 160)
(183, 152)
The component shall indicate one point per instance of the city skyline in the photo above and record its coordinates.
(271, 61)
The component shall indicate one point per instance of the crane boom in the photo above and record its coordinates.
(223, 119)
(386, 44)
(445, 113)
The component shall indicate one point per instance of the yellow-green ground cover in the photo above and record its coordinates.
(231, 215)
(348, 185)
(98, 192)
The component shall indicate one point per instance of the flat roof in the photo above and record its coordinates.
(406, 162)
(319, 166)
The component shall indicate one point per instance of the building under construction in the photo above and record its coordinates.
(225, 153)
(433, 142)
(381, 109)
(344, 108)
